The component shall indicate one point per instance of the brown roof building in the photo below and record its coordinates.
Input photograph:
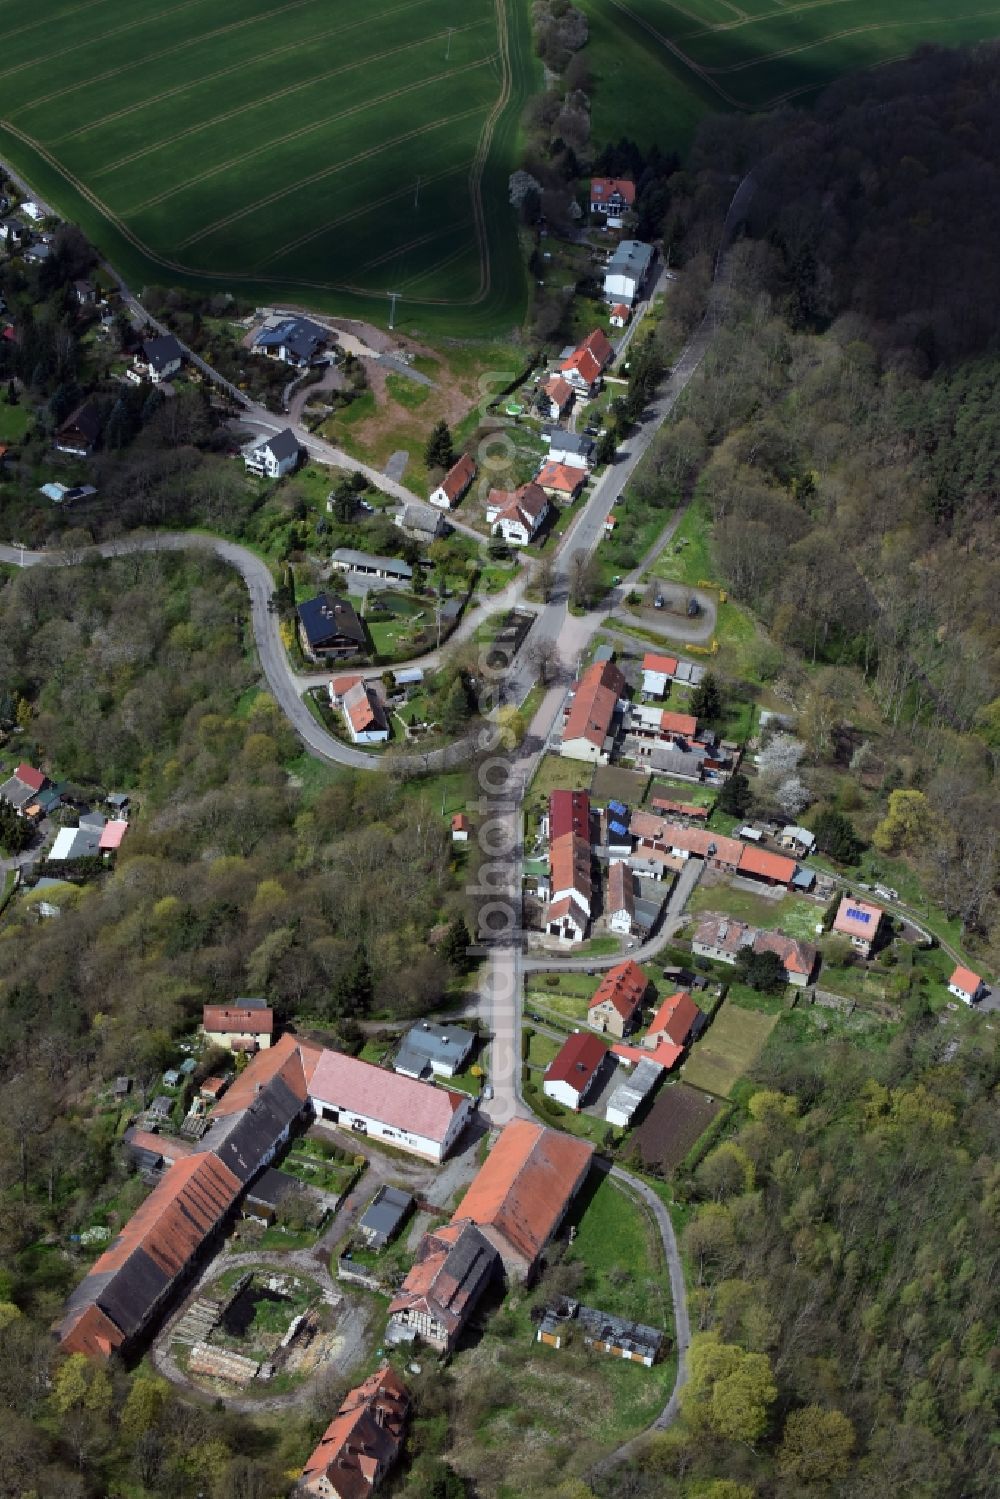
(677, 1021)
(523, 1191)
(239, 1027)
(588, 722)
(617, 1001)
(128, 1286)
(362, 1441)
(453, 1268)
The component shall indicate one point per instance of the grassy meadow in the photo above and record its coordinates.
(278, 147)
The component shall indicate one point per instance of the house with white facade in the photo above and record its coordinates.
(425, 1119)
(274, 457)
(626, 272)
(574, 449)
(966, 985)
(160, 359)
(455, 484)
(575, 1069)
(517, 516)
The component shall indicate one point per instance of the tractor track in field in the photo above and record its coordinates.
(304, 283)
(48, 58)
(743, 19)
(285, 192)
(34, 25)
(236, 67)
(282, 93)
(834, 36)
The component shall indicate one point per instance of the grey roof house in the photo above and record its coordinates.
(431, 1049)
(384, 1216)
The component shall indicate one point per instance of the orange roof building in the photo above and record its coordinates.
(773, 869)
(680, 724)
(454, 1266)
(130, 1283)
(454, 484)
(966, 985)
(591, 713)
(238, 1027)
(617, 1001)
(363, 1440)
(523, 1191)
(560, 394)
(677, 1021)
(559, 481)
(861, 921)
(588, 361)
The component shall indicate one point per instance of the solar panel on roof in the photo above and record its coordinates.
(857, 915)
(619, 829)
(618, 807)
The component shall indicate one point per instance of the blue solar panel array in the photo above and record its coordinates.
(864, 916)
(618, 808)
(619, 829)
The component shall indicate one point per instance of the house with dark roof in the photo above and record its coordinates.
(517, 515)
(573, 449)
(22, 789)
(575, 1069)
(329, 628)
(268, 1192)
(296, 341)
(432, 1049)
(80, 432)
(362, 1442)
(616, 1005)
(620, 909)
(274, 457)
(454, 1267)
(384, 1216)
(160, 358)
(523, 1191)
(626, 272)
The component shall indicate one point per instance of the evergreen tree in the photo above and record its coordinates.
(763, 971)
(455, 708)
(607, 446)
(706, 701)
(736, 798)
(455, 946)
(439, 452)
(835, 836)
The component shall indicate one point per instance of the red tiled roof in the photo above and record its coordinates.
(566, 905)
(604, 188)
(593, 706)
(857, 918)
(561, 477)
(590, 357)
(527, 504)
(678, 809)
(569, 865)
(621, 895)
(675, 1017)
(798, 957)
(112, 834)
(445, 1284)
(679, 723)
(524, 1186)
(966, 980)
(621, 310)
(291, 1059)
(769, 866)
(651, 661)
(236, 1018)
(576, 1061)
(667, 1055)
(340, 685)
(362, 1440)
(458, 478)
(624, 985)
(402, 1102)
(559, 391)
(363, 708)
(29, 776)
(569, 812)
(460, 823)
(698, 841)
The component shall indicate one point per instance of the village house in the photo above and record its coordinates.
(460, 828)
(362, 1442)
(517, 516)
(587, 731)
(160, 358)
(556, 398)
(434, 1050)
(421, 522)
(329, 628)
(112, 836)
(455, 484)
(80, 432)
(612, 198)
(657, 671)
(567, 915)
(621, 898)
(584, 367)
(521, 1194)
(392, 569)
(678, 728)
(616, 1005)
(572, 449)
(274, 457)
(418, 1117)
(559, 482)
(574, 1069)
(454, 1266)
(364, 715)
(677, 1022)
(798, 959)
(861, 922)
(13, 234)
(619, 315)
(800, 840)
(22, 789)
(626, 272)
(296, 341)
(966, 985)
(86, 292)
(246, 1026)
(632, 1092)
(721, 938)
(692, 811)
(569, 812)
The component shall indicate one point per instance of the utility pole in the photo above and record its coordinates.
(392, 312)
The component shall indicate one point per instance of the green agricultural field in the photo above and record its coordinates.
(306, 148)
(728, 1049)
(703, 55)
